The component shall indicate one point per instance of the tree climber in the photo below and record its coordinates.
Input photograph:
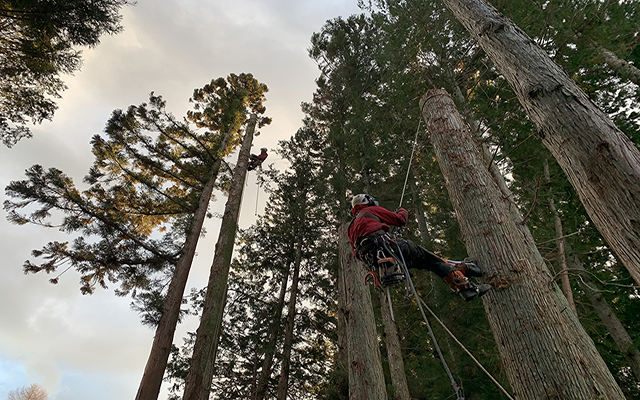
(256, 160)
(367, 230)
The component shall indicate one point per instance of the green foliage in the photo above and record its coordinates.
(38, 43)
(254, 320)
(144, 187)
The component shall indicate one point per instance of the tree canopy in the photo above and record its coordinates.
(39, 42)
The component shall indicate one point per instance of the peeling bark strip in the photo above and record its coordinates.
(198, 382)
(545, 351)
(366, 378)
(601, 163)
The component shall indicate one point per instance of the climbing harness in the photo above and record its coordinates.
(388, 270)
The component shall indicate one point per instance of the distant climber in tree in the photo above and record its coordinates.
(256, 160)
(367, 233)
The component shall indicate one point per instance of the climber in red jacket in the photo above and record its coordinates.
(256, 160)
(371, 222)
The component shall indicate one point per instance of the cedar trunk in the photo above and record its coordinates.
(601, 163)
(161, 347)
(366, 378)
(545, 351)
(560, 242)
(198, 382)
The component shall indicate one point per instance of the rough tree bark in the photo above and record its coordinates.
(560, 242)
(394, 352)
(161, 347)
(366, 378)
(198, 382)
(545, 351)
(601, 163)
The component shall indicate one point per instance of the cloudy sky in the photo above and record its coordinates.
(93, 347)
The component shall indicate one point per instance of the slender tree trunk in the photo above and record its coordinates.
(609, 319)
(283, 382)
(161, 347)
(545, 351)
(394, 352)
(265, 372)
(562, 258)
(198, 382)
(622, 67)
(422, 221)
(601, 163)
(366, 378)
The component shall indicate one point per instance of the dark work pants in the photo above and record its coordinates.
(414, 256)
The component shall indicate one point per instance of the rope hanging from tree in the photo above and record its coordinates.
(457, 389)
(413, 149)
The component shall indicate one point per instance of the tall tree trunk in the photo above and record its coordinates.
(609, 319)
(198, 382)
(161, 347)
(422, 221)
(366, 378)
(394, 351)
(560, 242)
(265, 372)
(622, 67)
(601, 163)
(283, 382)
(342, 356)
(544, 348)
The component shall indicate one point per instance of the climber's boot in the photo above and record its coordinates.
(468, 267)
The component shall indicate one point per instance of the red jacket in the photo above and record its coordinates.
(261, 157)
(364, 225)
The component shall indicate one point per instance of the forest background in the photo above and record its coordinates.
(357, 137)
